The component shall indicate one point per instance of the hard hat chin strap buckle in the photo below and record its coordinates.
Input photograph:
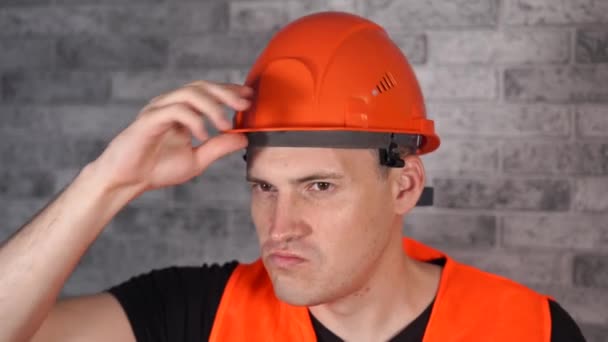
(390, 156)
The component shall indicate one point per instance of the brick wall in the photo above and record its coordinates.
(518, 89)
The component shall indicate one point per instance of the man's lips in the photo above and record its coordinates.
(284, 259)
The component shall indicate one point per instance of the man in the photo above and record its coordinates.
(335, 122)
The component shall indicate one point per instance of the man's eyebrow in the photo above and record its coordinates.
(252, 179)
(308, 178)
(317, 176)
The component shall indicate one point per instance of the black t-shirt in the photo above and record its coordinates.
(179, 304)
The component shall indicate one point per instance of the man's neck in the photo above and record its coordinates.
(393, 296)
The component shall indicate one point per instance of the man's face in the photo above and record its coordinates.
(323, 218)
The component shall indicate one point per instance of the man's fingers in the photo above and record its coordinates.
(200, 102)
(234, 95)
(242, 90)
(160, 119)
(207, 98)
(217, 147)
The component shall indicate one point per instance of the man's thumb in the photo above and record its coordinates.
(217, 147)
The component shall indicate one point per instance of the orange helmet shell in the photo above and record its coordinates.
(335, 72)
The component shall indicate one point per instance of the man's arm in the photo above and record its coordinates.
(155, 151)
(89, 318)
(36, 262)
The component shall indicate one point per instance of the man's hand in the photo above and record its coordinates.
(156, 149)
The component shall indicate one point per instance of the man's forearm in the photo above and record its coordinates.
(38, 259)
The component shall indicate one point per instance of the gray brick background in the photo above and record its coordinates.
(518, 89)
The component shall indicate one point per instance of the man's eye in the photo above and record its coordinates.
(321, 186)
(264, 187)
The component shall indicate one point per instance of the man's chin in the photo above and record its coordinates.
(296, 299)
(293, 292)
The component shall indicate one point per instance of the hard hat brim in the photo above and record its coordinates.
(336, 137)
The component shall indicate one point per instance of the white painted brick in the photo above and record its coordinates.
(145, 85)
(26, 53)
(592, 120)
(559, 231)
(61, 20)
(506, 194)
(508, 47)
(453, 230)
(55, 86)
(557, 84)
(413, 46)
(457, 83)
(530, 157)
(541, 12)
(23, 119)
(590, 194)
(592, 45)
(198, 17)
(63, 121)
(217, 50)
(257, 16)
(526, 267)
(297, 8)
(591, 270)
(408, 15)
(102, 122)
(112, 52)
(463, 157)
(499, 120)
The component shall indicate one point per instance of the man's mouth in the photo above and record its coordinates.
(284, 259)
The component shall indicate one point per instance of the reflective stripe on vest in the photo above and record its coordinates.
(471, 305)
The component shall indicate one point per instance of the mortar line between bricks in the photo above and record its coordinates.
(504, 65)
(500, 19)
(512, 176)
(508, 26)
(536, 247)
(465, 212)
(567, 266)
(574, 135)
(501, 84)
(498, 220)
(572, 185)
(500, 162)
(572, 56)
(531, 137)
(515, 212)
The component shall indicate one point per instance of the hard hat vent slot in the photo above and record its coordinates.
(387, 82)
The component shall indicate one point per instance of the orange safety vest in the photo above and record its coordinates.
(470, 305)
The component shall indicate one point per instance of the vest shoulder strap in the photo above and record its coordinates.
(474, 305)
(250, 311)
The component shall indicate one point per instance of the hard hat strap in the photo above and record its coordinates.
(390, 157)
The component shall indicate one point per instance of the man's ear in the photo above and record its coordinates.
(408, 183)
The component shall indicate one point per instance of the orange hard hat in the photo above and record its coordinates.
(336, 73)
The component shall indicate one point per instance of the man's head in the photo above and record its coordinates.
(328, 88)
(325, 217)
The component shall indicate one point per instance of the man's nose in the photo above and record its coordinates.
(285, 224)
